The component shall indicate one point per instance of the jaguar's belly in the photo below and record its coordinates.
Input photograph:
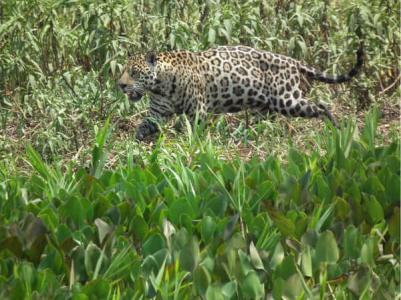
(236, 96)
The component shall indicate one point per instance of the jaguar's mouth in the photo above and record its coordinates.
(134, 96)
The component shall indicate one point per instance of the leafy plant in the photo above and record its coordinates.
(242, 209)
(176, 238)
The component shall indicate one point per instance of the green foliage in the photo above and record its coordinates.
(59, 59)
(104, 237)
(87, 213)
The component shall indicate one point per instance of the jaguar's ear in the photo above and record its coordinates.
(151, 58)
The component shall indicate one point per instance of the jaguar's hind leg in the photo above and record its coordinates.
(302, 108)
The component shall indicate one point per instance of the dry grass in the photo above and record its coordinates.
(275, 139)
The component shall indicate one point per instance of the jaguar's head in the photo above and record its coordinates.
(139, 76)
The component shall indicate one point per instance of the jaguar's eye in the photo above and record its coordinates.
(133, 72)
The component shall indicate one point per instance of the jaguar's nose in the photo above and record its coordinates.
(122, 86)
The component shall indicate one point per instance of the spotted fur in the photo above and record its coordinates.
(221, 80)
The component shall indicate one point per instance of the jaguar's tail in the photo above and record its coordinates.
(324, 77)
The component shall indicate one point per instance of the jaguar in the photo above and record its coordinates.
(225, 79)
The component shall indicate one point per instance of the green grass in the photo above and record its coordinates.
(245, 209)
(184, 223)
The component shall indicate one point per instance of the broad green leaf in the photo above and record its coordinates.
(230, 289)
(306, 262)
(208, 227)
(114, 215)
(277, 257)
(374, 210)
(323, 190)
(287, 268)
(125, 209)
(78, 272)
(278, 286)
(292, 287)
(285, 225)
(251, 287)
(153, 262)
(189, 255)
(202, 279)
(180, 239)
(208, 263)
(373, 186)
(92, 257)
(352, 242)
(103, 229)
(359, 281)
(368, 251)
(77, 209)
(149, 265)
(394, 224)
(255, 258)
(53, 261)
(179, 208)
(310, 238)
(214, 293)
(217, 205)
(139, 227)
(154, 243)
(245, 262)
(342, 208)
(326, 248)
(187, 222)
(26, 273)
(229, 229)
(97, 289)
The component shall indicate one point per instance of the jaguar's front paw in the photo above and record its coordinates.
(144, 130)
(140, 135)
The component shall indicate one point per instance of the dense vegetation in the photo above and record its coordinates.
(247, 208)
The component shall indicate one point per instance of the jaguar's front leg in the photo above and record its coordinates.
(198, 115)
(150, 125)
(145, 129)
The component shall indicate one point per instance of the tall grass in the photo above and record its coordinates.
(41, 39)
(187, 224)
(59, 59)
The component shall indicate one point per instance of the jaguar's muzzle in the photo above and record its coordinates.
(132, 94)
